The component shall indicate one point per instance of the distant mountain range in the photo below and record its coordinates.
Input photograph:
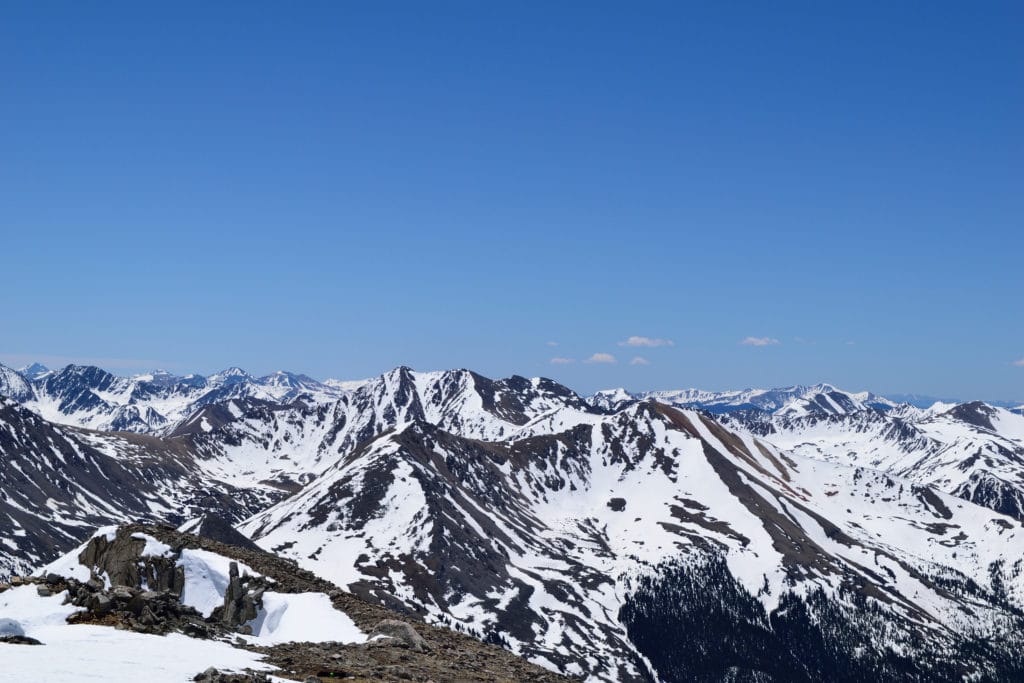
(87, 396)
(774, 399)
(804, 533)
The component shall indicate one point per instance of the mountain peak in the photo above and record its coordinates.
(230, 375)
(33, 371)
(13, 385)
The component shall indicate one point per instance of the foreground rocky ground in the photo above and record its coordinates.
(128, 589)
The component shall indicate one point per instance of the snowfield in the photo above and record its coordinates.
(99, 653)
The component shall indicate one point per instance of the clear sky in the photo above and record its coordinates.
(339, 187)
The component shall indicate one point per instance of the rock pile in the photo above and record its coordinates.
(129, 608)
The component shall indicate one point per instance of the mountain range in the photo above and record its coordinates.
(87, 396)
(803, 533)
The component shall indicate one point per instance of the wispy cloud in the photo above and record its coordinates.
(552, 344)
(639, 360)
(601, 358)
(649, 342)
(759, 341)
(562, 361)
(851, 343)
(1019, 363)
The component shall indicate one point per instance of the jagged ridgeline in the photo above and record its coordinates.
(803, 533)
(695, 622)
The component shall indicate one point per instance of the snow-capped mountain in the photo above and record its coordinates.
(87, 396)
(794, 400)
(13, 385)
(970, 450)
(255, 442)
(34, 371)
(541, 540)
(600, 537)
(241, 452)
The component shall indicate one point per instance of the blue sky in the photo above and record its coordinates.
(339, 188)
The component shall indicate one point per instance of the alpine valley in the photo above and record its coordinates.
(803, 533)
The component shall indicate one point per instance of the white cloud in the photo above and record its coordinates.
(759, 341)
(601, 358)
(639, 360)
(552, 343)
(1019, 363)
(562, 361)
(851, 343)
(646, 341)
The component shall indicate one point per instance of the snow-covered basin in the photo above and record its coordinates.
(83, 652)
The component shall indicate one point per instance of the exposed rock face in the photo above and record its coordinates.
(122, 561)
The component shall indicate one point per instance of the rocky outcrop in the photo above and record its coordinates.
(243, 599)
(145, 589)
(122, 561)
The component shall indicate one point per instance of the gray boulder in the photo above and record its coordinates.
(396, 630)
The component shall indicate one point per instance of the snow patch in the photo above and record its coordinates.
(206, 579)
(302, 617)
